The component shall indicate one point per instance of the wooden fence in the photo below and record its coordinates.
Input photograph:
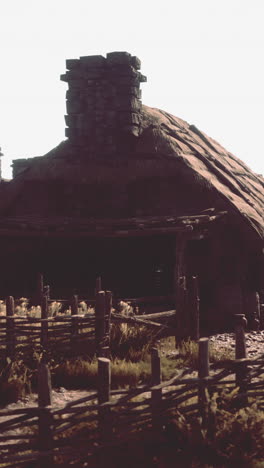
(70, 334)
(43, 435)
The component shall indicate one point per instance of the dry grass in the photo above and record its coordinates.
(131, 342)
(186, 354)
(83, 374)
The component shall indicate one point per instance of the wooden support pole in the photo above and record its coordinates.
(180, 319)
(99, 321)
(40, 288)
(108, 312)
(46, 291)
(74, 322)
(44, 323)
(74, 304)
(44, 385)
(156, 395)
(45, 423)
(256, 314)
(261, 312)
(179, 272)
(104, 387)
(240, 324)
(241, 369)
(203, 358)
(203, 372)
(10, 327)
(194, 308)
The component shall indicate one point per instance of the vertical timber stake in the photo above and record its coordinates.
(203, 372)
(10, 327)
(240, 325)
(178, 286)
(156, 395)
(74, 322)
(40, 288)
(44, 323)
(104, 386)
(241, 355)
(194, 308)
(108, 311)
(45, 423)
(99, 321)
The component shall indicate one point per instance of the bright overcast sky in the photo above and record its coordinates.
(203, 60)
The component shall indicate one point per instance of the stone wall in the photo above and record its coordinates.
(103, 101)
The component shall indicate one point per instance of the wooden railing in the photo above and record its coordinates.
(107, 417)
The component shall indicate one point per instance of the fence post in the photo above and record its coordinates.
(241, 369)
(241, 355)
(74, 321)
(156, 395)
(256, 314)
(203, 372)
(46, 291)
(40, 288)
(74, 304)
(108, 311)
(194, 308)
(104, 386)
(10, 327)
(99, 321)
(44, 323)
(180, 320)
(45, 422)
(240, 324)
(261, 313)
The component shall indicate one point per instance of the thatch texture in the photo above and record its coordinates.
(172, 168)
(241, 188)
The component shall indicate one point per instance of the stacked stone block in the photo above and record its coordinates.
(103, 100)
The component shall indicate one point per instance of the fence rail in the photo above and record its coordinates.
(104, 417)
(68, 333)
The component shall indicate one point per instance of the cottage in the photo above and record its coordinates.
(136, 195)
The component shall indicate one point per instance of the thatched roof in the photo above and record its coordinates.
(234, 181)
(169, 141)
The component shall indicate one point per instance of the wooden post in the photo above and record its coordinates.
(108, 311)
(179, 287)
(256, 314)
(240, 324)
(44, 385)
(104, 386)
(261, 311)
(180, 322)
(45, 423)
(44, 323)
(194, 308)
(203, 372)
(40, 288)
(10, 327)
(241, 380)
(46, 291)
(74, 322)
(99, 321)
(156, 395)
(74, 304)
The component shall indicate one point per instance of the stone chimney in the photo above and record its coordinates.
(103, 101)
